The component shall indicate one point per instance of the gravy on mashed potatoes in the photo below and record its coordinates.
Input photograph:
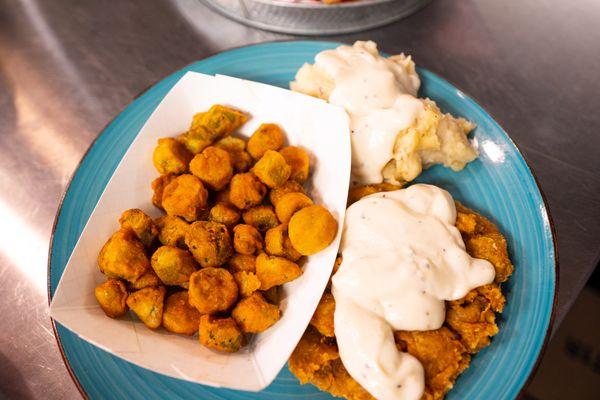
(394, 134)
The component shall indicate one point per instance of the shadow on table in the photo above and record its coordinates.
(12, 385)
(570, 368)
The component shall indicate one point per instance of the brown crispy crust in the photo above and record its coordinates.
(446, 352)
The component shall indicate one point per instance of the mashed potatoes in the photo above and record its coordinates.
(434, 138)
(394, 134)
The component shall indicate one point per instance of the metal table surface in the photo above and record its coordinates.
(67, 67)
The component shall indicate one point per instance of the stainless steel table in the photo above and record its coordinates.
(68, 66)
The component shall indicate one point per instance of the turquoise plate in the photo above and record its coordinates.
(499, 184)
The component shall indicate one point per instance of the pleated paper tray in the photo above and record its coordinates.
(306, 17)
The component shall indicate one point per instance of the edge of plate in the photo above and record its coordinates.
(65, 359)
(51, 246)
(552, 232)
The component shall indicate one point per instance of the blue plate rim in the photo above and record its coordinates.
(551, 321)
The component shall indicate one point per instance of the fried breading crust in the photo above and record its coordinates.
(446, 352)
(316, 360)
(483, 240)
(442, 354)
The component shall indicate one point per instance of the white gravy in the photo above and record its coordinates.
(402, 258)
(378, 94)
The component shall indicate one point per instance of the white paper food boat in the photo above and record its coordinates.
(312, 123)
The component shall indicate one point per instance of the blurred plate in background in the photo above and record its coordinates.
(312, 17)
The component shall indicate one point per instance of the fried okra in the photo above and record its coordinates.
(247, 283)
(220, 228)
(297, 159)
(242, 262)
(261, 217)
(240, 158)
(220, 334)
(173, 265)
(246, 190)
(209, 126)
(148, 304)
(112, 297)
(289, 187)
(272, 169)
(273, 270)
(196, 140)
(266, 137)
(179, 316)
(222, 196)
(246, 239)
(212, 290)
(278, 243)
(141, 224)
(312, 229)
(209, 243)
(171, 157)
(224, 214)
(158, 187)
(213, 167)
(171, 230)
(231, 144)
(254, 315)
(272, 295)
(220, 121)
(241, 161)
(123, 256)
(185, 197)
(149, 279)
(322, 319)
(289, 204)
(199, 131)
